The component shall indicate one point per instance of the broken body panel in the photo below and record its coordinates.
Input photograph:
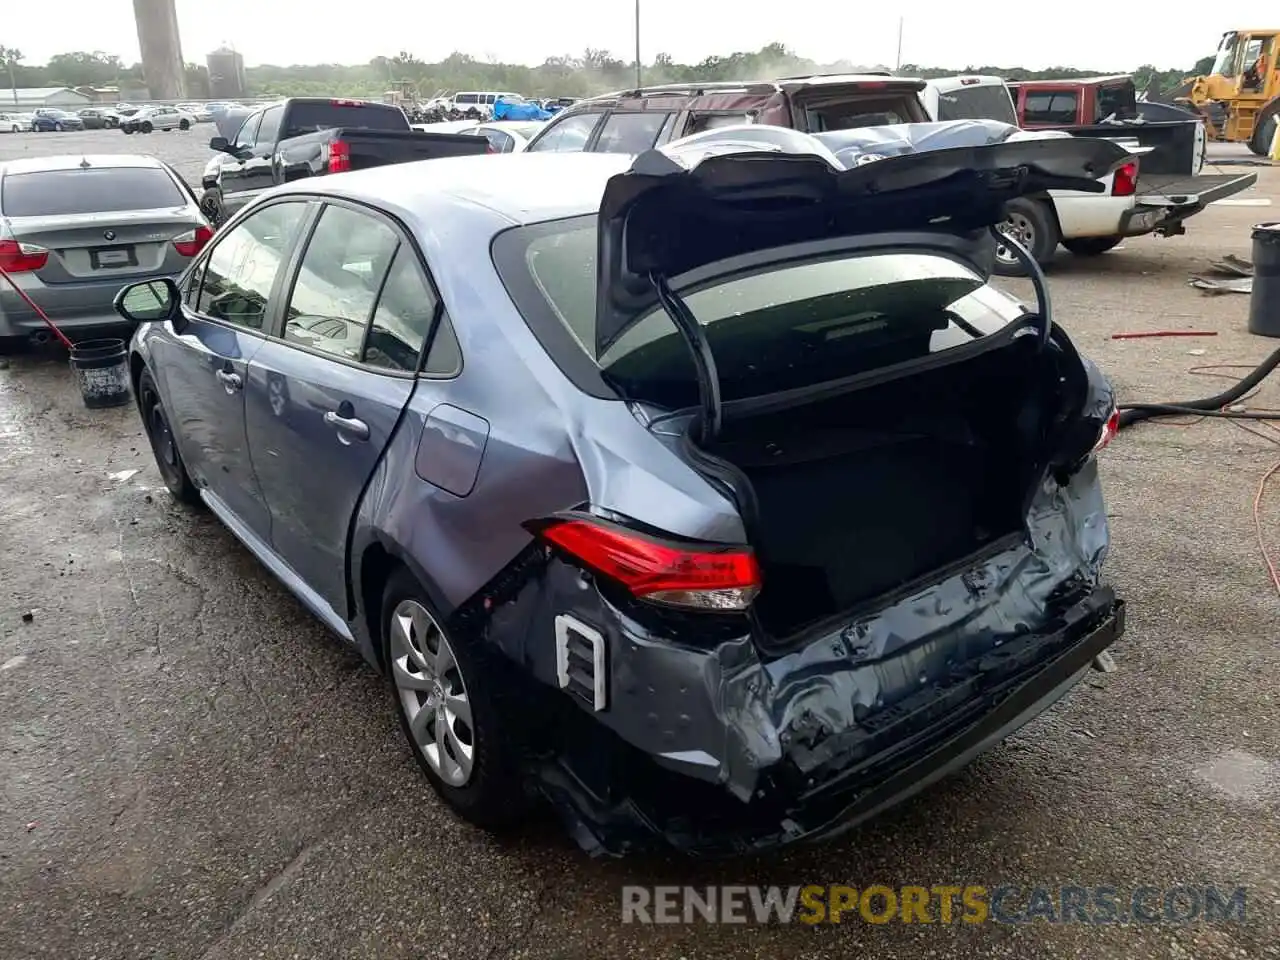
(722, 732)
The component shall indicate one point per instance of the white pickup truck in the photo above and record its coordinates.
(1086, 224)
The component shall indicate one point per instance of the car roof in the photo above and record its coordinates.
(73, 161)
(1073, 81)
(515, 188)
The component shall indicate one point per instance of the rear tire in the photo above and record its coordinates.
(1090, 246)
(445, 693)
(57, 128)
(1034, 226)
(155, 421)
(184, 125)
(127, 130)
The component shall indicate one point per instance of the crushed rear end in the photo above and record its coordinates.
(908, 565)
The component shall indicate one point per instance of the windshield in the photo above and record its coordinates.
(778, 328)
(1222, 63)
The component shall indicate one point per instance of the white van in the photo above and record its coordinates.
(481, 101)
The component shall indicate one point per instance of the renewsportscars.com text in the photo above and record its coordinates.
(940, 903)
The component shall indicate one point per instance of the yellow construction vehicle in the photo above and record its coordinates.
(1240, 97)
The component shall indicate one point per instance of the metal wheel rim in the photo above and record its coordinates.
(1022, 231)
(432, 693)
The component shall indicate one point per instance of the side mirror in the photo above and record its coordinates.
(220, 144)
(149, 301)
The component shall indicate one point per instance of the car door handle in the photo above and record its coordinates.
(230, 380)
(347, 427)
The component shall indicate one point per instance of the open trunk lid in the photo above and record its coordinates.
(737, 198)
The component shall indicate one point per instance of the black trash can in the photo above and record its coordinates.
(1264, 301)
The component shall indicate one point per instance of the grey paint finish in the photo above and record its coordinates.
(451, 449)
(452, 469)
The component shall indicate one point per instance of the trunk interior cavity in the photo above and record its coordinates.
(862, 494)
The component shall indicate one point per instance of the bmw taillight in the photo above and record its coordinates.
(1125, 181)
(193, 241)
(339, 156)
(672, 572)
(19, 257)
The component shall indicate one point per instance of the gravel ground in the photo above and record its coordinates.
(191, 768)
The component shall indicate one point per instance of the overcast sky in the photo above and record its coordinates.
(1115, 36)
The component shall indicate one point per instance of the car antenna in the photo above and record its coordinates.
(84, 163)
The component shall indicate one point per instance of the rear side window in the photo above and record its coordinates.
(1050, 106)
(783, 327)
(1120, 100)
(465, 98)
(569, 135)
(305, 117)
(629, 132)
(337, 285)
(53, 193)
(991, 102)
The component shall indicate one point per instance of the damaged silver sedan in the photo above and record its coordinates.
(745, 508)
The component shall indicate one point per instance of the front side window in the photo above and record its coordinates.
(1050, 106)
(569, 135)
(629, 132)
(337, 285)
(242, 267)
(248, 134)
(269, 129)
(779, 328)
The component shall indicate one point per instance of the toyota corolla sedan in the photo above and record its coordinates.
(712, 496)
(74, 229)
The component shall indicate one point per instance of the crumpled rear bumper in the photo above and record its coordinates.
(819, 790)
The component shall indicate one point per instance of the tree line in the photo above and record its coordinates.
(594, 71)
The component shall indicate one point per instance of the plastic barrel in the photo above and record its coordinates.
(1264, 301)
(102, 367)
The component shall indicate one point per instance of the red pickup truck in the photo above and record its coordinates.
(1108, 107)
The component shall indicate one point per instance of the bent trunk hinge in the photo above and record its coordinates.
(703, 360)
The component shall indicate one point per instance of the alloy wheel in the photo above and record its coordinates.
(432, 693)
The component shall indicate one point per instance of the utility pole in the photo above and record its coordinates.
(897, 66)
(637, 44)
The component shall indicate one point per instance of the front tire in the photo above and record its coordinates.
(445, 694)
(155, 421)
(184, 125)
(1090, 246)
(1263, 133)
(127, 130)
(1031, 223)
(147, 127)
(57, 128)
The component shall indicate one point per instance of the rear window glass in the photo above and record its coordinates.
(54, 193)
(310, 117)
(990, 102)
(785, 327)
(1050, 106)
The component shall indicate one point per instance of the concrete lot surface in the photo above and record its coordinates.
(190, 767)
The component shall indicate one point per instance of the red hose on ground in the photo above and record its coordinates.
(36, 307)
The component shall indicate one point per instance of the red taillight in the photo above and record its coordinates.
(693, 576)
(1125, 181)
(193, 241)
(339, 156)
(1109, 431)
(17, 257)
(346, 103)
